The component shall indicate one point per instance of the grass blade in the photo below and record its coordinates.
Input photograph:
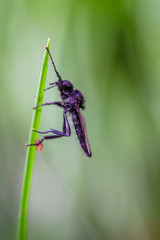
(23, 210)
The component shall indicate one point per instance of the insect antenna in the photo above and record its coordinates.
(59, 77)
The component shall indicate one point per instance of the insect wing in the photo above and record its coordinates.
(84, 129)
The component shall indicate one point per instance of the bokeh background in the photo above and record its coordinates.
(110, 50)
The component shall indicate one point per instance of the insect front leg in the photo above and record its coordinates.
(53, 85)
(66, 132)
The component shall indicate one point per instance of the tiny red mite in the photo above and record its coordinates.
(39, 145)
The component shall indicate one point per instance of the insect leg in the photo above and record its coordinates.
(42, 132)
(45, 137)
(53, 85)
(66, 128)
(66, 132)
(59, 104)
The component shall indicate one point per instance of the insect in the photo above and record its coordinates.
(72, 101)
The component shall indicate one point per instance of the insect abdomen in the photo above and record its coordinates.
(79, 124)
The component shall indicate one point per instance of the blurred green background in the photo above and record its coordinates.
(111, 52)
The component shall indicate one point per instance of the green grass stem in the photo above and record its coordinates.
(23, 209)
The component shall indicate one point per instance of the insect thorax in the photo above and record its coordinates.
(78, 98)
(72, 96)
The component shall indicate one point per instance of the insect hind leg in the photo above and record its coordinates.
(66, 132)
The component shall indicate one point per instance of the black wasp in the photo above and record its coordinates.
(72, 102)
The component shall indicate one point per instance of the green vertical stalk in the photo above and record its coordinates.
(23, 209)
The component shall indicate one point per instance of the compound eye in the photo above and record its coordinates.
(67, 86)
